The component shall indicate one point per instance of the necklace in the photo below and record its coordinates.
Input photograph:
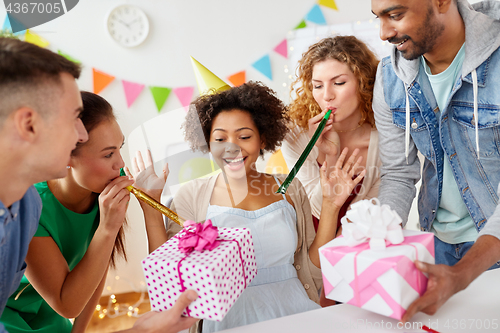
(361, 122)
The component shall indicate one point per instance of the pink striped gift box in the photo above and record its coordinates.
(384, 282)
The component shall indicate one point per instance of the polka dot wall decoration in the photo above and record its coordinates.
(218, 276)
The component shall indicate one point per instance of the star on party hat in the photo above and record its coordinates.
(206, 79)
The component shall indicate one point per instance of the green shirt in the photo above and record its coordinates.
(72, 232)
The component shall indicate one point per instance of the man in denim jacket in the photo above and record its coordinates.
(438, 94)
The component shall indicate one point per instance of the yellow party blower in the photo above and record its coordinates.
(153, 203)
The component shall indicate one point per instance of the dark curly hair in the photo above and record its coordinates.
(348, 50)
(267, 111)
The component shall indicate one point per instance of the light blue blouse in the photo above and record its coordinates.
(276, 291)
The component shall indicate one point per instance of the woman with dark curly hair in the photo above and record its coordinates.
(337, 73)
(237, 126)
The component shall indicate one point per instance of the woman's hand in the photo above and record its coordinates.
(147, 181)
(338, 185)
(328, 142)
(113, 202)
(145, 175)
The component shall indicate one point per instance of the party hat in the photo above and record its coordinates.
(206, 79)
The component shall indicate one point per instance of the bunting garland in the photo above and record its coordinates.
(70, 58)
(301, 25)
(238, 79)
(328, 3)
(184, 94)
(35, 39)
(315, 15)
(263, 65)
(282, 48)
(7, 26)
(101, 80)
(160, 95)
(132, 91)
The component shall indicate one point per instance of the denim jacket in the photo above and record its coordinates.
(404, 103)
(18, 224)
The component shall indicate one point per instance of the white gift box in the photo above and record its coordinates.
(372, 265)
(384, 282)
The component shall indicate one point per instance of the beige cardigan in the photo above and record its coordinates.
(191, 203)
(293, 146)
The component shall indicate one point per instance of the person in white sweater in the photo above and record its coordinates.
(338, 74)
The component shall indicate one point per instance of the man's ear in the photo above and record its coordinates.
(444, 5)
(27, 122)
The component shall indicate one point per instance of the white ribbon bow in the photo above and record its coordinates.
(374, 222)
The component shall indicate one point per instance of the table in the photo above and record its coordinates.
(475, 309)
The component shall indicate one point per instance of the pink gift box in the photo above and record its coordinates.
(384, 282)
(219, 276)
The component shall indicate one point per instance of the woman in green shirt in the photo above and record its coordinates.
(80, 232)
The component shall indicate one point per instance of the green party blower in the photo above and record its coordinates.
(304, 154)
(153, 203)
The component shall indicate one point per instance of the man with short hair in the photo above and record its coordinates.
(40, 105)
(438, 94)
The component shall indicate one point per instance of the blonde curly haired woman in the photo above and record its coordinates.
(337, 73)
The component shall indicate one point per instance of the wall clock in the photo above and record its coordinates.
(128, 25)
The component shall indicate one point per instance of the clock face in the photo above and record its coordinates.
(128, 25)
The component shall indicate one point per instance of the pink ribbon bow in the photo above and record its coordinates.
(198, 236)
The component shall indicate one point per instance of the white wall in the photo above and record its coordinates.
(227, 36)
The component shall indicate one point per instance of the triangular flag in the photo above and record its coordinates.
(101, 80)
(301, 25)
(184, 95)
(70, 58)
(263, 65)
(238, 79)
(276, 164)
(6, 24)
(315, 15)
(160, 95)
(282, 48)
(206, 79)
(328, 3)
(132, 91)
(35, 39)
(8, 27)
